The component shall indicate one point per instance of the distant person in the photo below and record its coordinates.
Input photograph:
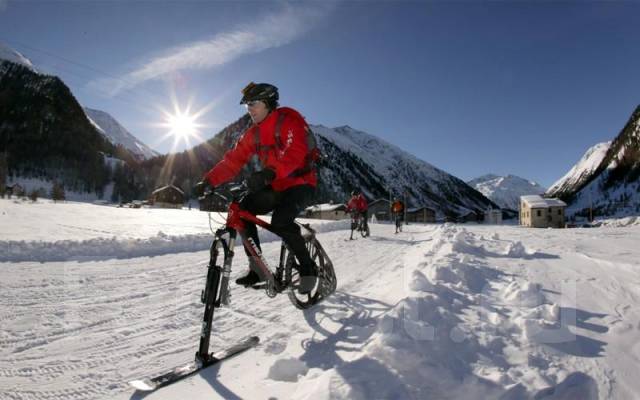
(397, 210)
(358, 204)
(284, 185)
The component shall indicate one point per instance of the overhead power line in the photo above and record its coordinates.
(137, 92)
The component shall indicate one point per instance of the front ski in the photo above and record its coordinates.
(151, 384)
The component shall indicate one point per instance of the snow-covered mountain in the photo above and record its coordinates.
(9, 54)
(102, 121)
(46, 135)
(606, 181)
(71, 148)
(117, 134)
(359, 160)
(582, 171)
(505, 191)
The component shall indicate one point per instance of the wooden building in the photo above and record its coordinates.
(326, 211)
(381, 209)
(470, 216)
(421, 215)
(167, 197)
(16, 189)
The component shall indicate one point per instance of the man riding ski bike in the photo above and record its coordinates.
(284, 185)
(359, 205)
(397, 209)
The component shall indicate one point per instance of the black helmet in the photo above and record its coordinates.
(259, 91)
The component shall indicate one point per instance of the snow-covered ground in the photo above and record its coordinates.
(95, 296)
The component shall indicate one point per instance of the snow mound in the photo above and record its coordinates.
(288, 370)
(457, 256)
(420, 283)
(516, 249)
(114, 247)
(524, 294)
(423, 341)
(101, 248)
(619, 222)
(575, 386)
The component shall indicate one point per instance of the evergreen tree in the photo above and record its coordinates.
(3, 173)
(57, 192)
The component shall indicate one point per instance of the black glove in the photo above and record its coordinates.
(261, 179)
(201, 188)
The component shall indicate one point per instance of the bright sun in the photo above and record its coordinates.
(182, 125)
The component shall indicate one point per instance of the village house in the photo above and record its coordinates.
(470, 216)
(326, 211)
(538, 212)
(16, 189)
(167, 197)
(493, 216)
(421, 215)
(381, 209)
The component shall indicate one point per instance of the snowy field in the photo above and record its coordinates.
(94, 296)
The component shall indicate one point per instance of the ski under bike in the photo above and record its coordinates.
(398, 221)
(359, 224)
(285, 277)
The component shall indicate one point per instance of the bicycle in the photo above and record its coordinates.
(285, 273)
(216, 292)
(359, 224)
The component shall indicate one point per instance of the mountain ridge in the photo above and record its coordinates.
(118, 134)
(505, 190)
(612, 188)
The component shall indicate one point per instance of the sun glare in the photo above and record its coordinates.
(182, 125)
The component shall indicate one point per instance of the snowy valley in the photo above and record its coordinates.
(438, 311)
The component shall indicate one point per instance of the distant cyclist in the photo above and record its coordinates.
(284, 185)
(358, 205)
(397, 210)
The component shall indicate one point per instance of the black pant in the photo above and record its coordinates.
(286, 206)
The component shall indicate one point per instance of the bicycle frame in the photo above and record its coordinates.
(355, 217)
(236, 223)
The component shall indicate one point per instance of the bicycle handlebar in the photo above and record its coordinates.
(232, 191)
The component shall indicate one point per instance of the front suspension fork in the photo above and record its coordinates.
(217, 280)
(224, 298)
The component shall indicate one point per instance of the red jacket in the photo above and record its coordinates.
(284, 159)
(357, 203)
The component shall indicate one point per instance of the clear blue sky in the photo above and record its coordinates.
(470, 87)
